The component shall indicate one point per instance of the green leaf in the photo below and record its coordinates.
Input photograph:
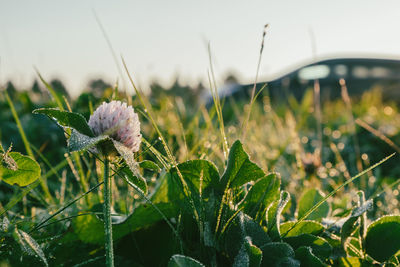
(183, 261)
(308, 200)
(138, 180)
(67, 119)
(278, 254)
(350, 224)
(249, 255)
(353, 247)
(27, 170)
(133, 176)
(150, 165)
(351, 262)
(29, 245)
(383, 238)
(198, 174)
(304, 227)
(252, 229)
(240, 229)
(165, 189)
(319, 245)
(90, 229)
(240, 169)
(261, 195)
(78, 141)
(274, 213)
(307, 258)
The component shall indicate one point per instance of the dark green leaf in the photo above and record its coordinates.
(350, 224)
(127, 154)
(134, 177)
(183, 261)
(78, 141)
(147, 164)
(261, 195)
(353, 247)
(307, 258)
(199, 174)
(304, 227)
(278, 254)
(137, 179)
(91, 230)
(274, 213)
(320, 246)
(25, 172)
(308, 200)
(240, 169)
(243, 227)
(252, 229)
(29, 245)
(249, 255)
(383, 238)
(166, 189)
(67, 119)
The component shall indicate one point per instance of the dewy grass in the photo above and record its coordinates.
(164, 223)
(334, 191)
(148, 110)
(253, 91)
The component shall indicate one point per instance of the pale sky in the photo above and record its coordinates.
(164, 39)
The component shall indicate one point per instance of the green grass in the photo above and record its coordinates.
(200, 193)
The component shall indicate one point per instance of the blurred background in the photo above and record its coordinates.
(166, 41)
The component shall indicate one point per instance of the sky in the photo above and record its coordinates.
(162, 40)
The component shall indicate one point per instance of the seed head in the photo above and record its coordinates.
(118, 121)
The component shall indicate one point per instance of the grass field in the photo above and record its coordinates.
(237, 184)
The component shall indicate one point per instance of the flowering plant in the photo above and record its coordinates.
(113, 130)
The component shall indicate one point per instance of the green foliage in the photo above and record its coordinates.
(307, 258)
(349, 226)
(304, 227)
(78, 141)
(351, 262)
(249, 255)
(261, 195)
(273, 215)
(188, 203)
(29, 245)
(383, 238)
(67, 119)
(19, 169)
(147, 164)
(137, 180)
(240, 169)
(279, 254)
(320, 247)
(89, 227)
(308, 200)
(183, 261)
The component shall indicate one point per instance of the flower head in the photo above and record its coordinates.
(118, 121)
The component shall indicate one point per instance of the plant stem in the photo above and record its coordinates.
(107, 215)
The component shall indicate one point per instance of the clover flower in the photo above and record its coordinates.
(119, 121)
